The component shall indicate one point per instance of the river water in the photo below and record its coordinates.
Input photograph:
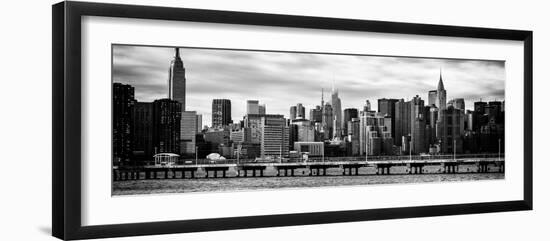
(302, 180)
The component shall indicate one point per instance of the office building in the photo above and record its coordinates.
(166, 126)
(402, 121)
(221, 113)
(188, 132)
(349, 114)
(457, 103)
(143, 130)
(387, 107)
(252, 107)
(123, 103)
(176, 80)
(274, 140)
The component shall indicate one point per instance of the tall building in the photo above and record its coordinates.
(441, 96)
(123, 103)
(199, 123)
(221, 113)
(387, 107)
(166, 126)
(328, 121)
(176, 80)
(337, 113)
(451, 130)
(274, 139)
(402, 121)
(293, 111)
(261, 109)
(316, 115)
(142, 129)
(432, 98)
(297, 112)
(354, 135)
(457, 103)
(367, 107)
(349, 114)
(375, 134)
(188, 132)
(418, 126)
(252, 107)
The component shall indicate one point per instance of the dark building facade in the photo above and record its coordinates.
(166, 126)
(451, 129)
(142, 126)
(123, 103)
(349, 114)
(316, 115)
(221, 112)
(402, 121)
(387, 107)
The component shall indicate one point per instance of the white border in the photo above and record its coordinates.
(100, 208)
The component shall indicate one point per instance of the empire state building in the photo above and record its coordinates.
(176, 80)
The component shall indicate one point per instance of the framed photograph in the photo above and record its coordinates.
(172, 120)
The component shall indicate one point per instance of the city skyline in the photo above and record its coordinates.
(298, 78)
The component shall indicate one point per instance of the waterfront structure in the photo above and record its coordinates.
(221, 113)
(176, 80)
(312, 149)
(123, 103)
(166, 126)
(387, 107)
(142, 130)
(349, 114)
(252, 107)
(188, 132)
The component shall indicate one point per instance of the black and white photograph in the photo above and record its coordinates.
(217, 120)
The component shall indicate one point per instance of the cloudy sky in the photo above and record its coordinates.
(280, 80)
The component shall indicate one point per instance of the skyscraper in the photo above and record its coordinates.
(188, 132)
(441, 95)
(387, 107)
(293, 111)
(367, 107)
(123, 103)
(221, 113)
(166, 126)
(349, 114)
(432, 97)
(176, 80)
(274, 140)
(337, 113)
(316, 115)
(297, 112)
(142, 129)
(261, 109)
(199, 123)
(402, 121)
(418, 125)
(252, 107)
(457, 103)
(328, 121)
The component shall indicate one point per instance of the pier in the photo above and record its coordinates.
(313, 168)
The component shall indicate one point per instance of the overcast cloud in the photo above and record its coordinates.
(280, 80)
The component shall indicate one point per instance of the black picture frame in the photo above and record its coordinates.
(66, 128)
